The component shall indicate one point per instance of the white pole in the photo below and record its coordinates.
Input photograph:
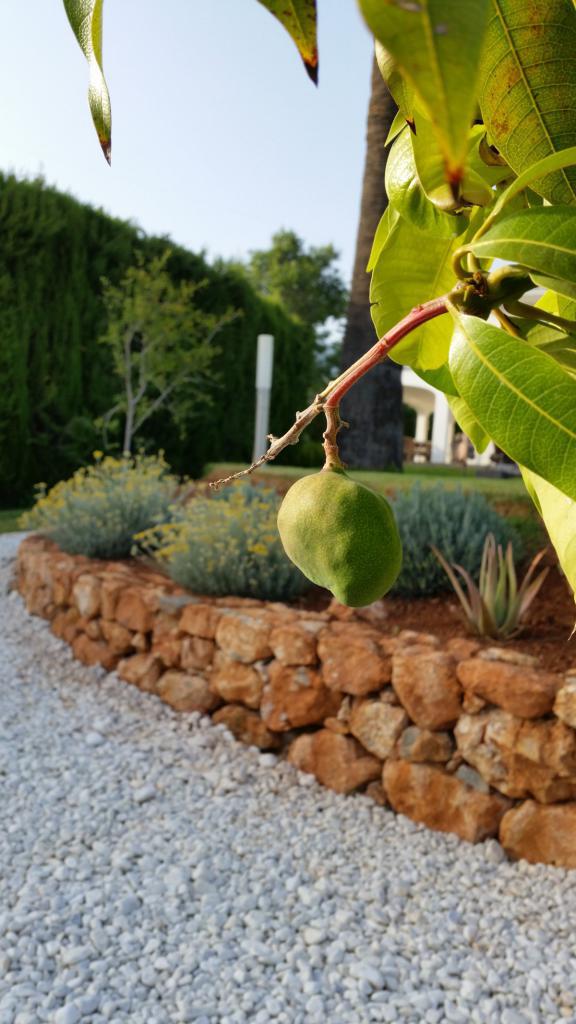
(264, 366)
(442, 431)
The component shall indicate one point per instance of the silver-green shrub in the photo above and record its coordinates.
(99, 509)
(454, 522)
(227, 545)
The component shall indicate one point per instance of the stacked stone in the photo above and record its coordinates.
(475, 740)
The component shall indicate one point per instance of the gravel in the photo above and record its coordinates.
(154, 871)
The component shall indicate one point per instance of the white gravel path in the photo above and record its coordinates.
(154, 871)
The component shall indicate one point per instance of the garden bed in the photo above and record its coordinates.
(465, 737)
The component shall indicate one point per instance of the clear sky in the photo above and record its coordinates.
(219, 137)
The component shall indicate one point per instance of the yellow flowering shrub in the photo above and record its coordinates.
(226, 545)
(99, 509)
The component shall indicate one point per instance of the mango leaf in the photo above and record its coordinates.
(527, 86)
(566, 288)
(436, 46)
(559, 514)
(398, 124)
(440, 378)
(465, 418)
(473, 189)
(401, 92)
(410, 267)
(405, 193)
(541, 239)
(520, 396)
(299, 19)
(85, 17)
(385, 224)
(555, 342)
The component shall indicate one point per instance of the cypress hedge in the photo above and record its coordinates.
(56, 378)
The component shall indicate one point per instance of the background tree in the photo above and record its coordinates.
(161, 344)
(374, 406)
(309, 286)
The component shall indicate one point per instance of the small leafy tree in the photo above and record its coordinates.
(162, 346)
(482, 167)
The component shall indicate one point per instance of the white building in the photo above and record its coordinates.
(427, 402)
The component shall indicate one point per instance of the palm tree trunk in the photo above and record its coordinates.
(374, 405)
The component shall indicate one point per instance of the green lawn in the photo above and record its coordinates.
(9, 519)
(495, 489)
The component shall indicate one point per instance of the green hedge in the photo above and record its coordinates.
(55, 378)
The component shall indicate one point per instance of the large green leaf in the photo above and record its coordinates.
(565, 288)
(466, 419)
(405, 192)
(299, 19)
(520, 396)
(436, 46)
(475, 188)
(559, 514)
(527, 86)
(85, 17)
(402, 93)
(412, 267)
(555, 342)
(541, 239)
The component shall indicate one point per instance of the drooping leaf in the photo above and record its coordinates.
(410, 267)
(299, 19)
(520, 396)
(436, 46)
(402, 93)
(406, 195)
(473, 189)
(559, 514)
(527, 86)
(541, 239)
(85, 17)
(466, 419)
(565, 288)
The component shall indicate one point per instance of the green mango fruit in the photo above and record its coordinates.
(342, 536)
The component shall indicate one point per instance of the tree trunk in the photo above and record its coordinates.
(374, 405)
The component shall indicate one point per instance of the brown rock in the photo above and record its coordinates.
(200, 620)
(65, 624)
(338, 762)
(133, 610)
(377, 726)
(244, 637)
(375, 790)
(169, 649)
(295, 697)
(238, 683)
(295, 643)
(412, 638)
(519, 757)
(118, 638)
(565, 702)
(142, 670)
(197, 653)
(441, 801)
(426, 684)
(185, 692)
(337, 725)
(93, 652)
(541, 835)
(389, 696)
(86, 596)
(352, 660)
(246, 726)
(524, 691)
(93, 630)
(112, 587)
(38, 599)
(460, 647)
(472, 704)
(422, 745)
(140, 642)
(508, 655)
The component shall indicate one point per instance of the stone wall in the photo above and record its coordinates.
(470, 739)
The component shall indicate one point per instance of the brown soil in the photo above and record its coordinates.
(546, 634)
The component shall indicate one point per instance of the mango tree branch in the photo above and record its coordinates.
(330, 397)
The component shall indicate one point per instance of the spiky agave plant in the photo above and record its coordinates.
(497, 605)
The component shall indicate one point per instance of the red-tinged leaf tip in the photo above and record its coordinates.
(411, 124)
(312, 69)
(106, 146)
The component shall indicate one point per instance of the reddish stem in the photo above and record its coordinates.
(417, 316)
